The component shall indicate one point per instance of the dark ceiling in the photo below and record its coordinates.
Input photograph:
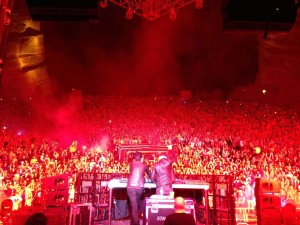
(138, 57)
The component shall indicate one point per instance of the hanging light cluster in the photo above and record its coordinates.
(152, 9)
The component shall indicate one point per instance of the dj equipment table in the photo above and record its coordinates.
(191, 185)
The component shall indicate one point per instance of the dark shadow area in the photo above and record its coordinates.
(139, 57)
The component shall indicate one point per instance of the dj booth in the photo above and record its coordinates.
(164, 202)
(158, 209)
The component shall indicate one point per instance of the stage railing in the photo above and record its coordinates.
(92, 188)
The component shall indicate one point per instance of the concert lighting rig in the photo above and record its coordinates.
(152, 9)
(89, 10)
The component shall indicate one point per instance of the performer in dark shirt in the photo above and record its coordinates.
(135, 185)
(179, 217)
(163, 175)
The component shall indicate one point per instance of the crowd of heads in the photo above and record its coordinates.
(243, 139)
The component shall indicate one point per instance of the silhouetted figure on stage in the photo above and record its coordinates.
(179, 217)
(37, 219)
(135, 185)
(163, 175)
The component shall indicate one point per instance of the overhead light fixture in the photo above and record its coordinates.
(153, 9)
(88, 10)
(129, 14)
(173, 14)
(103, 3)
(199, 4)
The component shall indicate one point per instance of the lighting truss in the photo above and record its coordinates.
(152, 9)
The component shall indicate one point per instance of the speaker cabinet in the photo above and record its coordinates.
(269, 217)
(267, 201)
(63, 10)
(55, 190)
(259, 14)
(264, 186)
(55, 183)
(56, 198)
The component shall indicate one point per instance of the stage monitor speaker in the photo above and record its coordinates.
(63, 10)
(56, 198)
(268, 201)
(264, 186)
(277, 15)
(269, 217)
(55, 183)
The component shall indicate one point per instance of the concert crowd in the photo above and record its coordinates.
(242, 139)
